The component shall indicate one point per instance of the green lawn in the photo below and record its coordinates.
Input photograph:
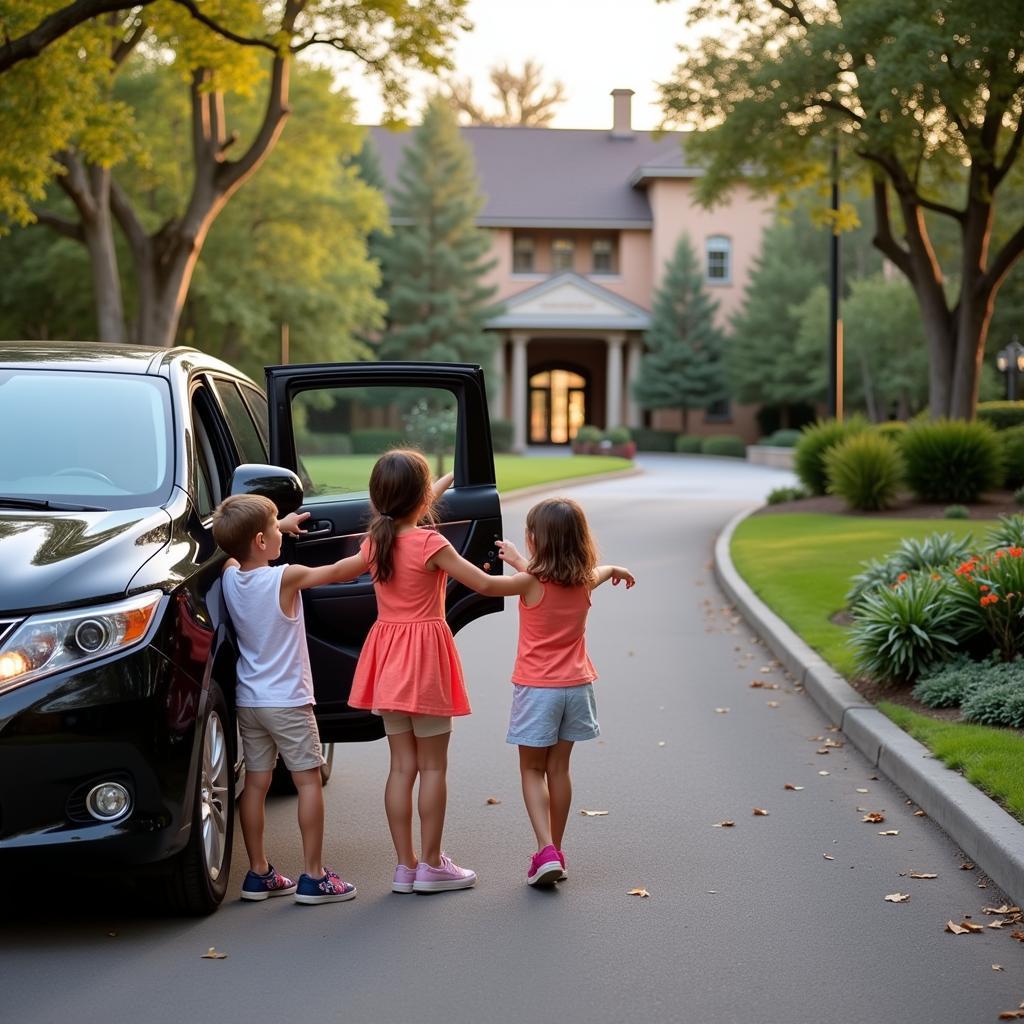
(345, 474)
(800, 565)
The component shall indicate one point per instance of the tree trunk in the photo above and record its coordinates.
(869, 388)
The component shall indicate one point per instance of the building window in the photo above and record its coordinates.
(719, 260)
(719, 411)
(522, 254)
(602, 254)
(563, 251)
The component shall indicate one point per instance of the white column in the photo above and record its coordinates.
(613, 381)
(634, 353)
(518, 411)
(495, 379)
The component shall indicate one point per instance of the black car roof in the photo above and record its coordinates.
(86, 355)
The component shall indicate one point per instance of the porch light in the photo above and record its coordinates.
(1010, 361)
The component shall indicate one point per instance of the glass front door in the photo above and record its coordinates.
(558, 406)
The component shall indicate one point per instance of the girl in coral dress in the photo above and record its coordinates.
(409, 670)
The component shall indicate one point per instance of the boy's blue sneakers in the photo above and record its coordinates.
(329, 889)
(262, 887)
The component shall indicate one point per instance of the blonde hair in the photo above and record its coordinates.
(564, 551)
(237, 520)
(400, 484)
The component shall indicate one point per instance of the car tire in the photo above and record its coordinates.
(281, 784)
(199, 874)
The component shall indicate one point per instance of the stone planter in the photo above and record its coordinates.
(770, 455)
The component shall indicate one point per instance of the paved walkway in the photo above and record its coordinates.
(780, 919)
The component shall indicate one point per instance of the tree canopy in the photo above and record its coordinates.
(924, 98)
(521, 96)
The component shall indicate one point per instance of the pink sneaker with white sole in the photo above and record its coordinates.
(565, 870)
(545, 867)
(404, 879)
(444, 878)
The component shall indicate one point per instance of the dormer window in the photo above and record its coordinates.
(719, 260)
(602, 256)
(563, 252)
(523, 252)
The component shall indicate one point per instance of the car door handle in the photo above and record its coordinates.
(320, 528)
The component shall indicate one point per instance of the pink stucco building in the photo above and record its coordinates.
(582, 223)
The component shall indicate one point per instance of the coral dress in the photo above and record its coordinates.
(409, 662)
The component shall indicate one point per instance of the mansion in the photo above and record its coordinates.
(582, 224)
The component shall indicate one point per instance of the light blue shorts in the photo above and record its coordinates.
(543, 715)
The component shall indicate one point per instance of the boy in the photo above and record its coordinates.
(274, 696)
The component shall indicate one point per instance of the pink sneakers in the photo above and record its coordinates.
(545, 867)
(565, 870)
(404, 879)
(442, 879)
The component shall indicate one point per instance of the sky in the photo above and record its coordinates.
(592, 46)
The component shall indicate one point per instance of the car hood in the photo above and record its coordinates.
(54, 559)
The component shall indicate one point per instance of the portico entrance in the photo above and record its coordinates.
(559, 401)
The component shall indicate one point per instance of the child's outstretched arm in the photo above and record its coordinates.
(451, 562)
(302, 577)
(615, 573)
(509, 553)
(441, 484)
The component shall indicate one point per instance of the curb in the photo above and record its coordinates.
(986, 833)
(572, 481)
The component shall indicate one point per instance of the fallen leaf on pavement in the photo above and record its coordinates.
(897, 897)
(765, 669)
(967, 866)
(920, 814)
(956, 929)
(823, 773)
(773, 703)
(822, 750)
(998, 967)
(722, 711)
(724, 824)
(1004, 909)
(643, 893)
(661, 743)
(1019, 936)
(861, 790)
(795, 789)
(594, 814)
(760, 812)
(828, 856)
(493, 800)
(835, 744)
(1011, 1015)
(922, 874)
(890, 832)
(874, 817)
(212, 954)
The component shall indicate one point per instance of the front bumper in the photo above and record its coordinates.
(129, 719)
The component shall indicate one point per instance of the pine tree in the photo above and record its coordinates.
(434, 261)
(682, 367)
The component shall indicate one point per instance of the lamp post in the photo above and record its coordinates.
(834, 398)
(1010, 361)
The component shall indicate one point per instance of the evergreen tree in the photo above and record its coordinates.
(434, 261)
(682, 367)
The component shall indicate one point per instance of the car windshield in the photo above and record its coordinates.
(95, 439)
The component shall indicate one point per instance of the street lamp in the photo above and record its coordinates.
(1010, 361)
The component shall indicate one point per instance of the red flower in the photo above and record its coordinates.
(1016, 552)
(902, 576)
(989, 599)
(983, 588)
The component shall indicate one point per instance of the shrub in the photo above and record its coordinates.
(956, 512)
(724, 444)
(903, 629)
(588, 434)
(951, 460)
(1001, 415)
(865, 470)
(502, 433)
(815, 441)
(988, 594)
(782, 438)
(688, 444)
(876, 573)
(374, 440)
(948, 686)
(648, 440)
(780, 494)
(1007, 533)
(997, 705)
(892, 429)
(619, 435)
(1018, 495)
(1011, 441)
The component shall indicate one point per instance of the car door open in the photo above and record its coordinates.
(329, 422)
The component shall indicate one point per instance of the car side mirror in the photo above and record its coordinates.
(280, 485)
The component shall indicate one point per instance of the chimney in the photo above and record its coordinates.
(622, 120)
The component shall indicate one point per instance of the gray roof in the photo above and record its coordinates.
(556, 177)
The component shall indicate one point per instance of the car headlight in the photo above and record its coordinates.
(52, 642)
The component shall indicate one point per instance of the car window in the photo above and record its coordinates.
(257, 402)
(339, 432)
(251, 447)
(210, 463)
(101, 439)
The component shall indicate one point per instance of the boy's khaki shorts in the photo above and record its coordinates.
(290, 731)
(421, 726)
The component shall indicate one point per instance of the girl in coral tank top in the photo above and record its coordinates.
(553, 703)
(409, 671)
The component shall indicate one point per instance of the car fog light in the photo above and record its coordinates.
(107, 801)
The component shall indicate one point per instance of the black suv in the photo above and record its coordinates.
(117, 665)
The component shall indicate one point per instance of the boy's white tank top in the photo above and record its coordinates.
(273, 661)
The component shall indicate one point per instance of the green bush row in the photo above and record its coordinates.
(987, 692)
(717, 444)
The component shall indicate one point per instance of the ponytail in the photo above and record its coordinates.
(400, 485)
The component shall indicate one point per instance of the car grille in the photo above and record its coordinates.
(6, 628)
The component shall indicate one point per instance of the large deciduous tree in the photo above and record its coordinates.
(523, 100)
(435, 260)
(682, 367)
(923, 95)
(388, 36)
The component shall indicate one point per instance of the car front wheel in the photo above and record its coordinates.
(199, 874)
